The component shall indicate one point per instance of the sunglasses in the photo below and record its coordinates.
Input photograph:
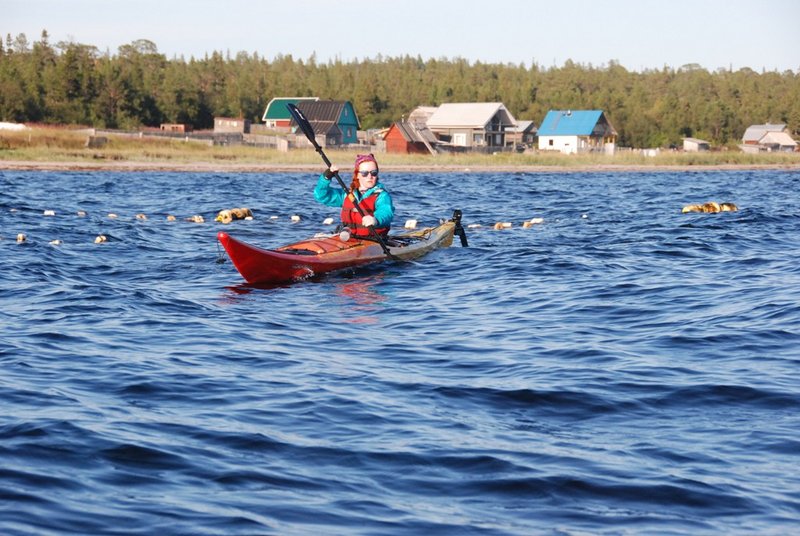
(374, 173)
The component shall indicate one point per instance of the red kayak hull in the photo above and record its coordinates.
(317, 256)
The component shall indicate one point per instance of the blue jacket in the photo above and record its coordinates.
(334, 197)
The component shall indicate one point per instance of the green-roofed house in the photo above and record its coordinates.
(277, 114)
(577, 131)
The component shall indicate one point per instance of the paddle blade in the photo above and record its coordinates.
(303, 123)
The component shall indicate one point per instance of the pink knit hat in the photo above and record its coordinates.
(361, 158)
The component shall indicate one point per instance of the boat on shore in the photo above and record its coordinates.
(321, 255)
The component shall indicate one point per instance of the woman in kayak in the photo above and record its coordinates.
(371, 196)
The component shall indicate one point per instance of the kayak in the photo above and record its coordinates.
(322, 255)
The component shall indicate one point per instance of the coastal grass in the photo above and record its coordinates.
(69, 145)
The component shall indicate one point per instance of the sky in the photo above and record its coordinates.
(637, 34)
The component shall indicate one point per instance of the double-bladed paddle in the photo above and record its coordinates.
(308, 130)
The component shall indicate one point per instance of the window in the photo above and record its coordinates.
(550, 142)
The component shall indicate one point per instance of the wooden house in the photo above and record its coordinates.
(334, 122)
(471, 125)
(523, 135)
(276, 114)
(577, 131)
(767, 138)
(407, 138)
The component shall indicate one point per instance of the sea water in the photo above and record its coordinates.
(618, 368)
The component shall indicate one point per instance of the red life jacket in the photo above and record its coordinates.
(352, 219)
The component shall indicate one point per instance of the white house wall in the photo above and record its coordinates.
(572, 145)
(564, 144)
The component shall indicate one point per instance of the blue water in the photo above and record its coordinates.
(621, 368)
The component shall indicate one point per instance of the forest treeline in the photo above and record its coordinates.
(70, 83)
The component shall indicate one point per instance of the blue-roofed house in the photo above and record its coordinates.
(577, 131)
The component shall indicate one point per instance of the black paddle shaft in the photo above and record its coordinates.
(308, 130)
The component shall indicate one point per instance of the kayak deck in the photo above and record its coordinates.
(321, 255)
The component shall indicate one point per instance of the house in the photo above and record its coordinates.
(522, 135)
(334, 122)
(758, 138)
(407, 138)
(473, 125)
(229, 125)
(577, 131)
(276, 114)
(693, 145)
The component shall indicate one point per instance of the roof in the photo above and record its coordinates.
(276, 108)
(414, 134)
(570, 122)
(754, 133)
(326, 111)
(778, 138)
(421, 114)
(523, 126)
(469, 115)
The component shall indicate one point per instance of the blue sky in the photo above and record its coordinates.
(639, 34)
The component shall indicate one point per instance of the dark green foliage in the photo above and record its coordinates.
(73, 83)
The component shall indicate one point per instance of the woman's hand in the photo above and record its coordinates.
(368, 221)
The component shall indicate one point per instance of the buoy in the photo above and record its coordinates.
(170, 217)
(49, 212)
(81, 213)
(327, 221)
(56, 242)
(502, 225)
(411, 224)
(474, 226)
(100, 239)
(295, 218)
(584, 216)
(273, 217)
(230, 214)
(21, 238)
(141, 217)
(197, 218)
(112, 215)
(710, 207)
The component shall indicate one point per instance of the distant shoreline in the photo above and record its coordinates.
(230, 167)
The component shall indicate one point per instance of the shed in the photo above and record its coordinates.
(179, 128)
(335, 121)
(693, 145)
(477, 124)
(230, 125)
(276, 114)
(577, 131)
(406, 138)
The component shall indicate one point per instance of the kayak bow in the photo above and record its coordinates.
(317, 256)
